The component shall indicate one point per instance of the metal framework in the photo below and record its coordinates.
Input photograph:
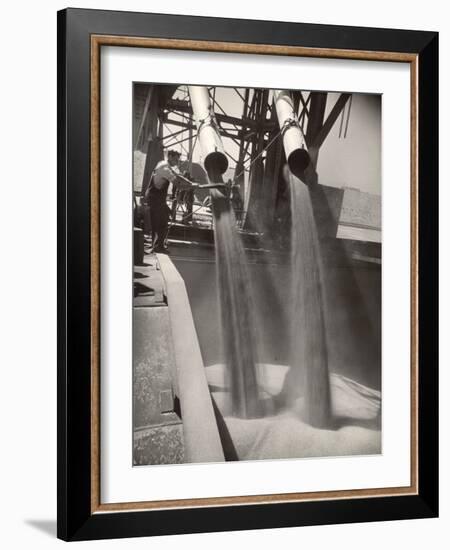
(164, 120)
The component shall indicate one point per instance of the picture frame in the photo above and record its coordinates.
(81, 36)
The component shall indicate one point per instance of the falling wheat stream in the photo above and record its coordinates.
(309, 361)
(235, 307)
(308, 336)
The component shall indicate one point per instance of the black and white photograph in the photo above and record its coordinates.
(257, 245)
(225, 296)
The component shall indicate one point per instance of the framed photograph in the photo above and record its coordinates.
(247, 255)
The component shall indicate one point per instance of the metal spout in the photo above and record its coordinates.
(294, 142)
(215, 160)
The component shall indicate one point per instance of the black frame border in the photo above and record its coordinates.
(75, 520)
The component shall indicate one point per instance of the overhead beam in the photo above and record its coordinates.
(185, 107)
(188, 126)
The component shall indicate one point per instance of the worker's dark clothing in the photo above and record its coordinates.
(236, 203)
(160, 215)
(144, 211)
(156, 198)
(184, 197)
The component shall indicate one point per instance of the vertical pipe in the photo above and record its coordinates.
(214, 158)
(293, 139)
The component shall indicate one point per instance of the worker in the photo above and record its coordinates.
(165, 173)
(236, 202)
(185, 197)
(143, 215)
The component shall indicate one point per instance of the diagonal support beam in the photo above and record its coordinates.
(316, 115)
(331, 119)
(144, 115)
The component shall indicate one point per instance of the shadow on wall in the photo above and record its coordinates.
(352, 297)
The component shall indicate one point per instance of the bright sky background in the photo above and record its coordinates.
(356, 160)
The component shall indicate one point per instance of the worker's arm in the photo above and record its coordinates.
(161, 175)
(182, 182)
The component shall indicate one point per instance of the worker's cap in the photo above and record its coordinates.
(173, 153)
